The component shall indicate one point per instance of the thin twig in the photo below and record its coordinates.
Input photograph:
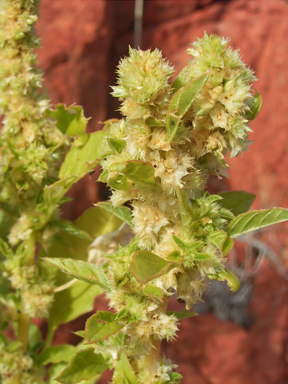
(65, 286)
(138, 19)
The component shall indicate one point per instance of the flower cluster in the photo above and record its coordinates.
(162, 178)
(31, 148)
(28, 142)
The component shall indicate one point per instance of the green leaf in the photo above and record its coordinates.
(230, 277)
(227, 246)
(34, 338)
(56, 369)
(140, 173)
(72, 303)
(116, 145)
(82, 159)
(69, 227)
(180, 104)
(255, 107)
(97, 221)
(81, 270)
(84, 365)
(236, 201)
(56, 354)
(175, 256)
(146, 266)
(151, 290)
(175, 377)
(222, 241)
(123, 373)
(218, 238)
(182, 315)
(70, 121)
(101, 326)
(118, 182)
(184, 209)
(254, 220)
(152, 122)
(124, 213)
(180, 243)
(79, 298)
(80, 334)
(54, 192)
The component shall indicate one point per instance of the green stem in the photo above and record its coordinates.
(48, 339)
(24, 319)
(24, 325)
(30, 245)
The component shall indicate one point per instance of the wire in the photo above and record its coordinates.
(138, 20)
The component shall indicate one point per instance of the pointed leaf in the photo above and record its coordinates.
(254, 220)
(184, 209)
(84, 365)
(72, 302)
(101, 326)
(180, 243)
(182, 315)
(151, 290)
(116, 145)
(141, 173)
(97, 221)
(56, 354)
(152, 122)
(218, 238)
(70, 121)
(69, 227)
(180, 104)
(227, 246)
(237, 201)
(82, 159)
(255, 107)
(124, 213)
(81, 270)
(146, 266)
(80, 334)
(124, 373)
(54, 192)
(222, 241)
(230, 277)
(118, 182)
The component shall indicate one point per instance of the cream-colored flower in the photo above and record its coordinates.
(159, 325)
(137, 138)
(158, 140)
(219, 116)
(207, 98)
(148, 219)
(20, 231)
(171, 168)
(234, 96)
(120, 197)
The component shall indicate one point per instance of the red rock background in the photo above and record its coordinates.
(82, 43)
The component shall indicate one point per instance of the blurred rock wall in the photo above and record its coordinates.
(82, 43)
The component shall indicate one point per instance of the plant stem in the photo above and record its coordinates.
(24, 319)
(24, 324)
(48, 338)
(30, 245)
